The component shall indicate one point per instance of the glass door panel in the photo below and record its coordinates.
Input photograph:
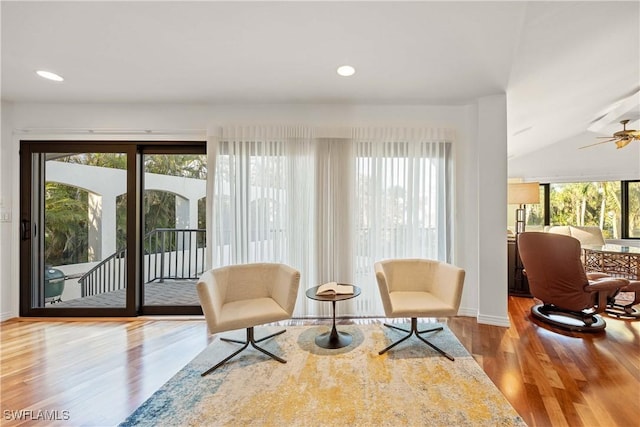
(173, 229)
(74, 231)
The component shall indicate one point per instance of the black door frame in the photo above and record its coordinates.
(135, 181)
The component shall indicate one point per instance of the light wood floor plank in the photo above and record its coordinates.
(100, 370)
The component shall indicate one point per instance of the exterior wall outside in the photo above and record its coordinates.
(65, 121)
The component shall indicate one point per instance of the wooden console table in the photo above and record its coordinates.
(616, 260)
(517, 281)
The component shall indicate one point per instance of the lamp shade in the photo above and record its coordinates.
(522, 193)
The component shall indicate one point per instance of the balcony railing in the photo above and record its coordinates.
(169, 254)
(109, 275)
(174, 254)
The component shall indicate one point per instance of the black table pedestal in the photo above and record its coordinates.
(333, 339)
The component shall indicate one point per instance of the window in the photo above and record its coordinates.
(633, 212)
(587, 204)
(614, 206)
(403, 205)
(251, 203)
(331, 207)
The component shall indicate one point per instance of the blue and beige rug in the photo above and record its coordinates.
(411, 385)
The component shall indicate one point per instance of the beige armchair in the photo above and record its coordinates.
(246, 295)
(413, 288)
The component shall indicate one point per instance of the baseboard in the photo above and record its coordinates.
(484, 319)
(467, 312)
(6, 316)
(494, 320)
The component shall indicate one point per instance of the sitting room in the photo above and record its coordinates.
(320, 213)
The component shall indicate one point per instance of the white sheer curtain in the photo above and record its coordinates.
(403, 203)
(263, 199)
(329, 207)
(334, 201)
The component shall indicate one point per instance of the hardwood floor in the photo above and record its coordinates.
(96, 372)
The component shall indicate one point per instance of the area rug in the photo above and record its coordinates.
(411, 385)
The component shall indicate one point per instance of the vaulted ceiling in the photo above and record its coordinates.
(565, 66)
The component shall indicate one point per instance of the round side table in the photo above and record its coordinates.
(334, 338)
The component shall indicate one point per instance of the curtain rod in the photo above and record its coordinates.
(108, 131)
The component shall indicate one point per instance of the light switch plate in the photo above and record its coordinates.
(5, 215)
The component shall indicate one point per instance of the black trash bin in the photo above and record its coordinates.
(53, 285)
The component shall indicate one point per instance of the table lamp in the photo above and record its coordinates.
(521, 194)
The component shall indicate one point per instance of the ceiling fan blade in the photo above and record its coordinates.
(623, 142)
(597, 143)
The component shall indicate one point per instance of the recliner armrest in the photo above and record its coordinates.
(605, 284)
(598, 288)
(596, 275)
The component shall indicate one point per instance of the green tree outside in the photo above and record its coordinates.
(66, 207)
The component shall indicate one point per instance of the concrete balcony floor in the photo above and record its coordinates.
(169, 292)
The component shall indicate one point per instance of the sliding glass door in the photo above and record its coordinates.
(111, 229)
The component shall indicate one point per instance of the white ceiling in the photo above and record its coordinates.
(563, 65)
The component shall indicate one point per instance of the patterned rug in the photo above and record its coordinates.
(410, 385)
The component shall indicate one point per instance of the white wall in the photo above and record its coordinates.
(476, 174)
(8, 261)
(492, 198)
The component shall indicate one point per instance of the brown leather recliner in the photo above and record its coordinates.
(553, 265)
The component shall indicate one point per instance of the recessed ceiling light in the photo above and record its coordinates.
(346, 70)
(49, 75)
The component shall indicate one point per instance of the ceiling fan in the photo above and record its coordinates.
(622, 138)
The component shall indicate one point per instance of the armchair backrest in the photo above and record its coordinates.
(244, 281)
(554, 269)
(404, 275)
(259, 280)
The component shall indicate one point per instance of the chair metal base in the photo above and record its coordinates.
(414, 331)
(577, 321)
(250, 340)
(622, 308)
(622, 311)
